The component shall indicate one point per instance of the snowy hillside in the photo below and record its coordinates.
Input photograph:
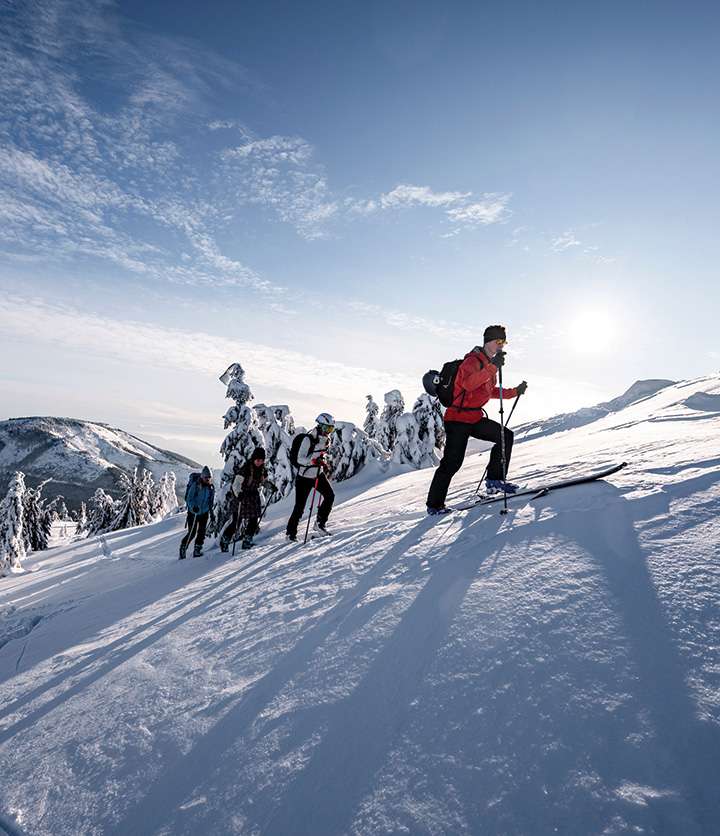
(553, 671)
(80, 456)
(640, 390)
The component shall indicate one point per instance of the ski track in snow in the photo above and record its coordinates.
(552, 671)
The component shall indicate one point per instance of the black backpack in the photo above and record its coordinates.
(295, 447)
(441, 384)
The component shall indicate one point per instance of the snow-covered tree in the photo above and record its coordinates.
(166, 494)
(272, 421)
(407, 447)
(102, 512)
(62, 511)
(387, 425)
(239, 443)
(430, 428)
(36, 524)
(82, 519)
(135, 503)
(350, 450)
(371, 418)
(12, 542)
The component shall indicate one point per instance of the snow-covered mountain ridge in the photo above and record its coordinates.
(80, 456)
(640, 390)
(551, 671)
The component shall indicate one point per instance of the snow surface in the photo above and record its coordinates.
(552, 671)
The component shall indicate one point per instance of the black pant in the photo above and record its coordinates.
(303, 488)
(196, 526)
(250, 529)
(457, 435)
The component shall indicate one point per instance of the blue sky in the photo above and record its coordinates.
(341, 195)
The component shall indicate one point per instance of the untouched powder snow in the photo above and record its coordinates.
(552, 671)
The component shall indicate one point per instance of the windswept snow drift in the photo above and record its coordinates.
(552, 671)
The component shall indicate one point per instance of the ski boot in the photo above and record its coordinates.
(496, 486)
(291, 538)
(319, 530)
(183, 551)
(197, 551)
(436, 512)
(224, 546)
(247, 543)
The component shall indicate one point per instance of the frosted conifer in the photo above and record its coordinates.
(36, 524)
(12, 543)
(350, 450)
(430, 429)
(272, 421)
(387, 425)
(239, 443)
(102, 512)
(371, 419)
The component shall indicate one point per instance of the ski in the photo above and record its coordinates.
(542, 490)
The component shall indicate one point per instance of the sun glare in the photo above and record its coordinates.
(591, 331)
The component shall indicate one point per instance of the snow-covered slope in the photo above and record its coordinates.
(80, 456)
(640, 390)
(552, 671)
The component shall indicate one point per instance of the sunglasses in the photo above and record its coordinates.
(501, 343)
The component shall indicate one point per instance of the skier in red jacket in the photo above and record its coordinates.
(475, 384)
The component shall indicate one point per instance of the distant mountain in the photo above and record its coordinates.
(569, 420)
(80, 456)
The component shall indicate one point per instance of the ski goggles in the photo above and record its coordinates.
(501, 343)
(328, 429)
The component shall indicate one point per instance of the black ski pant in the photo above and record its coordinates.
(196, 525)
(303, 489)
(457, 435)
(248, 525)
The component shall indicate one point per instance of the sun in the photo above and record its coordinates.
(591, 332)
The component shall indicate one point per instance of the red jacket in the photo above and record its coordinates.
(474, 386)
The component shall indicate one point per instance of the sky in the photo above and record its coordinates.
(342, 195)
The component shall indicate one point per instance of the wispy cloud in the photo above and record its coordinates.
(459, 207)
(145, 345)
(564, 242)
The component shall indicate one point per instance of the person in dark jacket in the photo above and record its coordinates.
(199, 498)
(246, 490)
(475, 384)
(312, 472)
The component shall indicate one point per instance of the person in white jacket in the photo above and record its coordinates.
(312, 473)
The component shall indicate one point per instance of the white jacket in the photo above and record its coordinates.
(310, 450)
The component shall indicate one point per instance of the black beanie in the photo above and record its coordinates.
(258, 454)
(494, 332)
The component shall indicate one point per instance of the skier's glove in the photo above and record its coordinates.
(319, 460)
(271, 487)
(521, 388)
(499, 359)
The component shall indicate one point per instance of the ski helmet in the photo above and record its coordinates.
(325, 418)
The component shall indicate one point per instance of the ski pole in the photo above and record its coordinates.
(503, 510)
(312, 503)
(482, 478)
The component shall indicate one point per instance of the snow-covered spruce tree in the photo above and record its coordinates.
(12, 543)
(82, 520)
(407, 447)
(272, 421)
(350, 450)
(387, 425)
(430, 428)
(135, 502)
(167, 494)
(239, 443)
(102, 512)
(36, 523)
(371, 419)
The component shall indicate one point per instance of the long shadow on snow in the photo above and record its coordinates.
(361, 729)
(685, 746)
(692, 747)
(120, 651)
(194, 770)
(113, 605)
